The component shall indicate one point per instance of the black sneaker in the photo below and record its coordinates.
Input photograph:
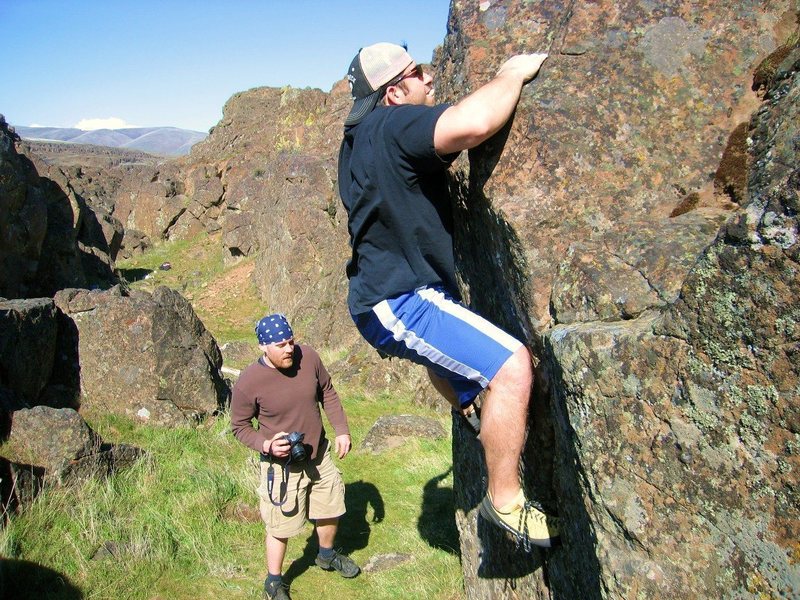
(472, 417)
(275, 591)
(340, 563)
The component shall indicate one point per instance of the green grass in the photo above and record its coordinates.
(175, 517)
(226, 302)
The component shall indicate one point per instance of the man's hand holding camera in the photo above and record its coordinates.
(278, 446)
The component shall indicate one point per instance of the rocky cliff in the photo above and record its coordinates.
(635, 224)
(642, 209)
(49, 237)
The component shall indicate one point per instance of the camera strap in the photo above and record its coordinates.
(283, 491)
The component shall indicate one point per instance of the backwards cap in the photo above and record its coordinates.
(371, 69)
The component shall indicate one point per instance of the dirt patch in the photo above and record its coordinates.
(228, 304)
(216, 296)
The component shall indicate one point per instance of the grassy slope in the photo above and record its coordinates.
(184, 519)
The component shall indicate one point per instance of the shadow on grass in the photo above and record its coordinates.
(354, 526)
(437, 522)
(24, 580)
(131, 275)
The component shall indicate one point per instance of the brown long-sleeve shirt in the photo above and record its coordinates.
(286, 400)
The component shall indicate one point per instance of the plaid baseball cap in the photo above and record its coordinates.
(371, 69)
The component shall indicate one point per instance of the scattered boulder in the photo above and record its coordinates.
(50, 238)
(146, 356)
(386, 562)
(49, 446)
(392, 431)
(134, 243)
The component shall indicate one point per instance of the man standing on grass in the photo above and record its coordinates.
(403, 295)
(283, 391)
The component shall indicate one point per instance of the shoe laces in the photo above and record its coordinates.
(529, 509)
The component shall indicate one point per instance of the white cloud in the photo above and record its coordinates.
(108, 123)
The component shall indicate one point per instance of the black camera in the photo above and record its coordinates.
(297, 451)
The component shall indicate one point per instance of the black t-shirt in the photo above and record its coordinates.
(393, 185)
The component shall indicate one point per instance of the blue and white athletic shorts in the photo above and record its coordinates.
(428, 327)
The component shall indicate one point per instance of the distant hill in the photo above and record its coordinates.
(169, 141)
(68, 154)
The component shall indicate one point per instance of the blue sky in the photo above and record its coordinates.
(154, 63)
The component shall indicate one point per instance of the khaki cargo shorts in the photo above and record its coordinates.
(314, 490)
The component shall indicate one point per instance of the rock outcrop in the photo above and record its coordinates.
(273, 174)
(45, 441)
(635, 224)
(145, 356)
(647, 251)
(49, 237)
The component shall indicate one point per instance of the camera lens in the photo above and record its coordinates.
(297, 449)
(298, 452)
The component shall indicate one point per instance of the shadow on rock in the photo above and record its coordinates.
(23, 580)
(437, 523)
(503, 558)
(131, 275)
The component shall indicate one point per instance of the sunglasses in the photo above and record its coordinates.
(417, 72)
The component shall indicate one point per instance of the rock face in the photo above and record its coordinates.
(145, 356)
(49, 237)
(274, 172)
(635, 224)
(647, 251)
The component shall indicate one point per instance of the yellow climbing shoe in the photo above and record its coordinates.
(526, 521)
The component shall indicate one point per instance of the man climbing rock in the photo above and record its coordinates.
(398, 144)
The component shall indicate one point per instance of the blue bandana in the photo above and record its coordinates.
(273, 329)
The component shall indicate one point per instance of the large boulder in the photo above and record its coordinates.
(611, 226)
(62, 444)
(49, 446)
(38, 358)
(146, 356)
(28, 334)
